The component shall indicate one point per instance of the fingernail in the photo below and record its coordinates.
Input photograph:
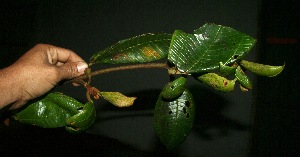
(81, 67)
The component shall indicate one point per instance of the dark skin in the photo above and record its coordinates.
(36, 73)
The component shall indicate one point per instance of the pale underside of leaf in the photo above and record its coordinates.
(118, 99)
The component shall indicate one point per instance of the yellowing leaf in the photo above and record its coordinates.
(139, 49)
(219, 83)
(118, 99)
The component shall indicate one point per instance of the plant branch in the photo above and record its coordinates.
(88, 74)
(125, 67)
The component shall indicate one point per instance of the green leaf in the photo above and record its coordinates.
(227, 70)
(210, 45)
(118, 99)
(174, 89)
(173, 119)
(243, 79)
(50, 112)
(139, 49)
(219, 83)
(83, 120)
(261, 69)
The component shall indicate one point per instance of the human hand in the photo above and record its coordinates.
(40, 69)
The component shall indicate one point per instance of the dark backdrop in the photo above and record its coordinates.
(224, 121)
(276, 130)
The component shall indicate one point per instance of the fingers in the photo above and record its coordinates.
(38, 71)
(58, 56)
(71, 69)
(69, 64)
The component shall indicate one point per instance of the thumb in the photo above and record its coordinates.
(70, 70)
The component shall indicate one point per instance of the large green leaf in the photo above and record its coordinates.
(210, 45)
(173, 119)
(51, 111)
(139, 49)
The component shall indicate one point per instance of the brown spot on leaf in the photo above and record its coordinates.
(119, 56)
(225, 83)
(149, 52)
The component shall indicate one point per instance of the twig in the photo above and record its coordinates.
(120, 68)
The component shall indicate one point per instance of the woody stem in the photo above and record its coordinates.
(126, 67)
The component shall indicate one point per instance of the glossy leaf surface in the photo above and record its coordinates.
(207, 47)
(261, 69)
(243, 78)
(173, 119)
(50, 112)
(139, 49)
(174, 89)
(227, 70)
(83, 120)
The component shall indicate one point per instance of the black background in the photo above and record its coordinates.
(268, 122)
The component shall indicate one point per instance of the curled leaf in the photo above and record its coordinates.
(243, 78)
(50, 112)
(219, 83)
(261, 69)
(243, 88)
(58, 110)
(83, 120)
(227, 70)
(118, 99)
(66, 102)
(174, 89)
